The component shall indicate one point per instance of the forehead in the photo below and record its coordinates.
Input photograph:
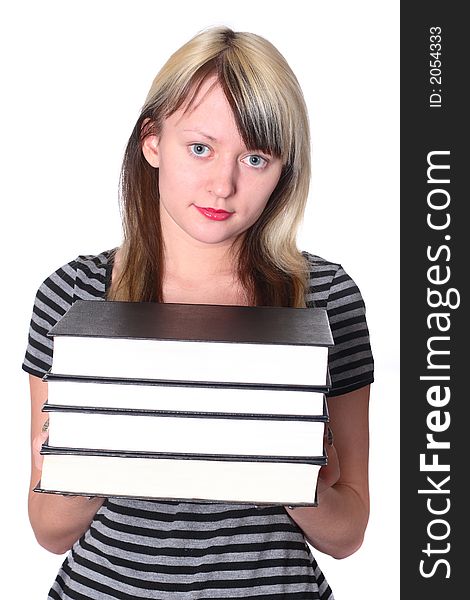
(207, 107)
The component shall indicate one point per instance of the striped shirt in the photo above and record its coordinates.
(135, 549)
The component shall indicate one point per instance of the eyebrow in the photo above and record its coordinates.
(206, 135)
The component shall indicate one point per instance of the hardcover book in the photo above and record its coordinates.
(202, 433)
(215, 479)
(194, 342)
(183, 397)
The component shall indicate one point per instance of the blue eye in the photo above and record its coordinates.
(256, 161)
(199, 149)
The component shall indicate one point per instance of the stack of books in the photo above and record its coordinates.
(188, 402)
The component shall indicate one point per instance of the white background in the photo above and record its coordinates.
(74, 77)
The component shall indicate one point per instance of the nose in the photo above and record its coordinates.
(222, 182)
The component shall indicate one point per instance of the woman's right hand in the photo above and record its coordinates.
(57, 521)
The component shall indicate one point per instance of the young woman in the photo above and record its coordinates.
(214, 184)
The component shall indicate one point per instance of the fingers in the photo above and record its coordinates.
(327, 478)
(329, 436)
(38, 441)
(329, 474)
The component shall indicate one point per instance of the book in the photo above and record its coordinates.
(193, 402)
(181, 478)
(194, 343)
(183, 397)
(191, 432)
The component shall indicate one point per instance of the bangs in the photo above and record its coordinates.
(253, 87)
(259, 112)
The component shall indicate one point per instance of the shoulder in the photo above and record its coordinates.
(84, 278)
(93, 273)
(329, 285)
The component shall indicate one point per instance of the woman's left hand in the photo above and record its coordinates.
(329, 474)
(337, 525)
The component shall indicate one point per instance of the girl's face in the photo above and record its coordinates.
(212, 188)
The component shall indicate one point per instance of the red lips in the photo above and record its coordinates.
(214, 213)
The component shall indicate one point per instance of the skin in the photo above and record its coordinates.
(57, 521)
(203, 162)
(337, 525)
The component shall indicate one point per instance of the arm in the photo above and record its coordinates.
(337, 525)
(57, 521)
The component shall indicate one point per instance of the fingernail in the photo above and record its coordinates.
(329, 436)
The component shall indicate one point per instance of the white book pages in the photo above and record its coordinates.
(247, 437)
(191, 361)
(206, 399)
(256, 482)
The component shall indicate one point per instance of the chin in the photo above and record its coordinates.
(214, 241)
(212, 237)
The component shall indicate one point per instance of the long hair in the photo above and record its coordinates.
(271, 116)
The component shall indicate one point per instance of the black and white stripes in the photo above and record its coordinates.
(350, 362)
(136, 550)
(84, 278)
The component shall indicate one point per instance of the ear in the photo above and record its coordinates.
(150, 150)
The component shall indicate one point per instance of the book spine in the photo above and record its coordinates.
(42, 490)
(50, 377)
(311, 460)
(51, 408)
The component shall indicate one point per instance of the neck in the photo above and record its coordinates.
(187, 259)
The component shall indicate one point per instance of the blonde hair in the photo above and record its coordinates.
(270, 113)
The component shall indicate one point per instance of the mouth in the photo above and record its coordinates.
(214, 214)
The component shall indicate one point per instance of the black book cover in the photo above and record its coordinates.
(311, 460)
(324, 418)
(196, 322)
(185, 383)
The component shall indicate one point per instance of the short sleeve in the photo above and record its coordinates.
(85, 278)
(54, 297)
(351, 363)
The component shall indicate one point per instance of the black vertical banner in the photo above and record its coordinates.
(435, 431)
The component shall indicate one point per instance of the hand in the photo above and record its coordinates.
(38, 458)
(329, 474)
(38, 441)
